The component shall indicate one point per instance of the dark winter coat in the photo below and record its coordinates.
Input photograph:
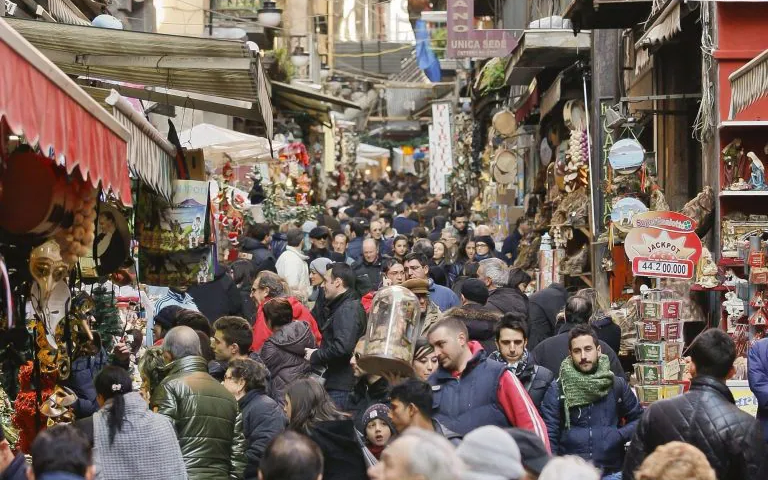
(263, 420)
(16, 470)
(608, 332)
(355, 248)
(480, 325)
(278, 244)
(535, 378)
(206, 418)
(249, 306)
(596, 433)
(508, 299)
(707, 418)
(320, 308)
(283, 354)
(218, 298)
(313, 254)
(543, 308)
(510, 246)
(344, 327)
(404, 225)
(83, 371)
(337, 440)
(471, 402)
(551, 352)
(363, 396)
(758, 380)
(260, 255)
(368, 275)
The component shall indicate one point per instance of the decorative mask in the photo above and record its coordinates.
(47, 268)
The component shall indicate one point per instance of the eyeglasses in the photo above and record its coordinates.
(413, 268)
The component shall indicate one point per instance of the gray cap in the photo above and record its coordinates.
(320, 265)
(490, 454)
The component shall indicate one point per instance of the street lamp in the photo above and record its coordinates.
(299, 58)
(268, 15)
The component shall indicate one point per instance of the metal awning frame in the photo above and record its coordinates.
(540, 49)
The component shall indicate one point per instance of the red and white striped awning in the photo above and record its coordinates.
(39, 101)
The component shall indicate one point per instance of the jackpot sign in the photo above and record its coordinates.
(663, 244)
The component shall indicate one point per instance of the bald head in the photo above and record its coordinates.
(182, 342)
(483, 230)
(370, 250)
(291, 456)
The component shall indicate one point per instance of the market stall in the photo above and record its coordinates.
(56, 137)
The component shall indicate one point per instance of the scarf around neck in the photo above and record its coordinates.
(584, 388)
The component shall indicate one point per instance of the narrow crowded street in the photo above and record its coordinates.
(383, 240)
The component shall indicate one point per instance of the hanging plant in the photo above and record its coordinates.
(492, 75)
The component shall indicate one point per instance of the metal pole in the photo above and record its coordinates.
(331, 21)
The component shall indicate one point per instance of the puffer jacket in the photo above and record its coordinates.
(206, 418)
(261, 331)
(263, 420)
(758, 380)
(596, 433)
(707, 418)
(283, 354)
(363, 396)
(535, 378)
(344, 327)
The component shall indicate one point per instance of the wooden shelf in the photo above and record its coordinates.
(743, 124)
(744, 193)
(730, 262)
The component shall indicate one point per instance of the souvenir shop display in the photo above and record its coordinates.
(706, 270)
(394, 325)
(659, 347)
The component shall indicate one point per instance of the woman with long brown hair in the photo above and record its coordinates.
(311, 412)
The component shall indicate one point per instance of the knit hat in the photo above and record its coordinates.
(417, 286)
(533, 453)
(486, 239)
(320, 265)
(490, 454)
(381, 412)
(307, 226)
(474, 290)
(166, 317)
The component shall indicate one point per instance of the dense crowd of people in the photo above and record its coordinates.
(256, 374)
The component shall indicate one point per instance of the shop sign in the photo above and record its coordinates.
(10, 8)
(466, 42)
(440, 147)
(745, 399)
(663, 244)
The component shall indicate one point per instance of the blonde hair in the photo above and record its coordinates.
(676, 461)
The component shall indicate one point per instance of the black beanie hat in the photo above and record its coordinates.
(475, 290)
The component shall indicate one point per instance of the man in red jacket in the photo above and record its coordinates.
(471, 391)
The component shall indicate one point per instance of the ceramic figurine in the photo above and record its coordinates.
(706, 276)
(734, 307)
(732, 155)
(757, 178)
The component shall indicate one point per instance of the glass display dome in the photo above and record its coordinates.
(394, 325)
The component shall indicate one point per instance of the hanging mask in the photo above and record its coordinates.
(47, 268)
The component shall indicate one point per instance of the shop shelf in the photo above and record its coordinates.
(743, 124)
(730, 262)
(744, 193)
(699, 288)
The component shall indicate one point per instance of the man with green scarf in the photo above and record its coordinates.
(589, 411)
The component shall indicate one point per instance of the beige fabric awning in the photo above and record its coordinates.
(314, 103)
(663, 28)
(150, 156)
(65, 12)
(219, 68)
(749, 83)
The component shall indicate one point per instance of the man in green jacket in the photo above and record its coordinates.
(205, 414)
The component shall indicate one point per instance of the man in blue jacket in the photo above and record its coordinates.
(589, 411)
(758, 380)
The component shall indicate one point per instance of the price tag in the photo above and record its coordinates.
(662, 268)
(10, 8)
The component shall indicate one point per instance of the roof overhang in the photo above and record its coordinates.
(543, 49)
(206, 66)
(303, 99)
(607, 14)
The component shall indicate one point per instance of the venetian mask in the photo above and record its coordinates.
(47, 268)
